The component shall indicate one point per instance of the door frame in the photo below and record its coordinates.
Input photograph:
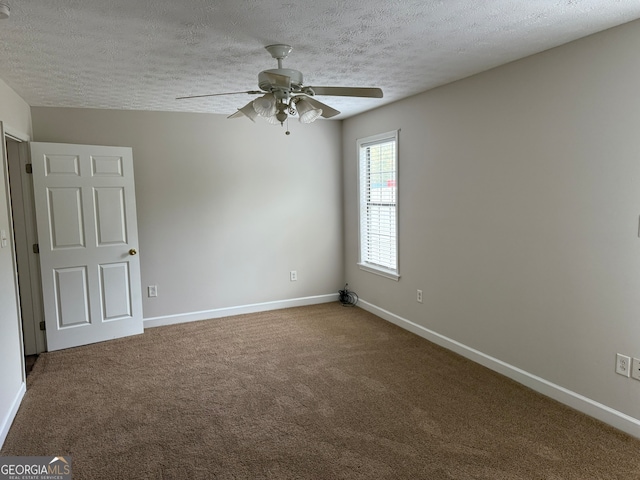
(27, 262)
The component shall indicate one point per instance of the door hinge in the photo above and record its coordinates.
(28, 168)
(36, 248)
(43, 326)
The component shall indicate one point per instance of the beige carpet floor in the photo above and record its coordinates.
(320, 392)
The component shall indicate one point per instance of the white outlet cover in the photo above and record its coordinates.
(623, 365)
(635, 368)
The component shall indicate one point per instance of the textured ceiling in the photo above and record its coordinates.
(141, 54)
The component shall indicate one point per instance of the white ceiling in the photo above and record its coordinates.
(141, 54)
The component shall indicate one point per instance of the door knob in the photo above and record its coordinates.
(133, 251)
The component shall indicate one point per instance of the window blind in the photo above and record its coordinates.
(378, 203)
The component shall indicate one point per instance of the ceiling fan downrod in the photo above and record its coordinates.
(279, 51)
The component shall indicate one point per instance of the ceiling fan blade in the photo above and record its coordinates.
(246, 111)
(327, 111)
(348, 91)
(250, 92)
(278, 80)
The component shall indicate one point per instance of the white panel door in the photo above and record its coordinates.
(88, 237)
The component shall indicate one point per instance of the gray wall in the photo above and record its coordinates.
(226, 208)
(519, 205)
(15, 115)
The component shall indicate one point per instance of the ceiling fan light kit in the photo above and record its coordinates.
(306, 112)
(265, 105)
(272, 120)
(285, 94)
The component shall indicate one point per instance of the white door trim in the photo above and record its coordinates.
(16, 134)
(5, 166)
(26, 236)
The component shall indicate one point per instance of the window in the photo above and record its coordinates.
(378, 190)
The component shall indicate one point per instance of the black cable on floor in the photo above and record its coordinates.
(347, 298)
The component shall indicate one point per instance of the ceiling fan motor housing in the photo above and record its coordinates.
(294, 75)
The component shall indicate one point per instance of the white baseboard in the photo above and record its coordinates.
(11, 414)
(605, 414)
(239, 310)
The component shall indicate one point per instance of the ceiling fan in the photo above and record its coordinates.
(284, 94)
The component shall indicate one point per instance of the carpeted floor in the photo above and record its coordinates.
(320, 392)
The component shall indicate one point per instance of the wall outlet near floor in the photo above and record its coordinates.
(419, 296)
(152, 290)
(293, 275)
(623, 365)
(635, 368)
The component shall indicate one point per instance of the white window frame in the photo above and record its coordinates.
(363, 261)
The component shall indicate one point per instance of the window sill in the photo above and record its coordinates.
(383, 272)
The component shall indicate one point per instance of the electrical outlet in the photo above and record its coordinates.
(623, 365)
(419, 296)
(293, 275)
(635, 368)
(152, 290)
